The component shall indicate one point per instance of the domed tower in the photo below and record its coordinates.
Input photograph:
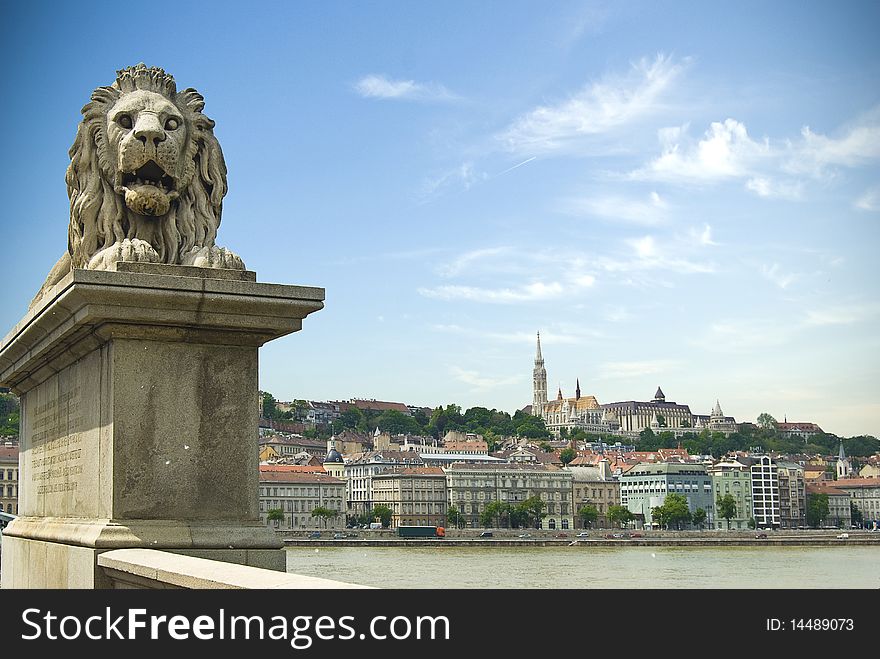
(334, 465)
(539, 383)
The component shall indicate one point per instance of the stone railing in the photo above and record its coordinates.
(153, 569)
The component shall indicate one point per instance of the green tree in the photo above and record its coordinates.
(567, 455)
(726, 507)
(766, 421)
(10, 414)
(496, 513)
(275, 515)
(648, 440)
(301, 409)
(699, 518)
(269, 409)
(533, 507)
(752, 523)
(817, 509)
(397, 423)
(325, 514)
(658, 516)
(588, 515)
(620, 514)
(856, 514)
(455, 518)
(383, 514)
(675, 510)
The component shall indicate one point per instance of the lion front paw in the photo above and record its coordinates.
(127, 250)
(213, 257)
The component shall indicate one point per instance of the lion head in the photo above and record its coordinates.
(146, 178)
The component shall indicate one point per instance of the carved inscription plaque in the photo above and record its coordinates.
(56, 443)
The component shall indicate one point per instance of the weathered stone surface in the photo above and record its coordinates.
(146, 179)
(139, 412)
(142, 568)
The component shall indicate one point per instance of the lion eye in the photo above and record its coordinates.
(171, 124)
(124, 120)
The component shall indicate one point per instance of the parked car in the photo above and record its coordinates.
(760, 536)
(338, 536)
(843, 536)
(525, 535)
(486, 534)
(562, 535)
(636, 535)
(583, 534)
(315, 534)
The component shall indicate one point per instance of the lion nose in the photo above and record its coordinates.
(148, 129)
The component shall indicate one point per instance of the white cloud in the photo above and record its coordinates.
(782, 279)
(646, 212)
(382, 87)
(726, 151)
(466, 260)
(480, 382)
(858, 146)
(600, 107)
(617, 314)
(838, 315)
(548, 337)
(767, 187)
(651, 255)
(534, 292)
(745, 336)
(703, 237)
(464, 176)
(612, 370)
(870, 201)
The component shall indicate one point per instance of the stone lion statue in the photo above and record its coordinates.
(146, 179)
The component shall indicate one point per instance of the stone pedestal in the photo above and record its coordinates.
(139, 411)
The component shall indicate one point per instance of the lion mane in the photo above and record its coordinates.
(171, 218)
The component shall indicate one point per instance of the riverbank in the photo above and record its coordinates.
(505, 538)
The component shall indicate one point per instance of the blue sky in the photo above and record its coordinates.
(682, 194)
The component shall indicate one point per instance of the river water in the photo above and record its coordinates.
(592, 567)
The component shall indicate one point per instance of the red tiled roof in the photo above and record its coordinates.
(856, 482)
(8, 453)
(298, 477)
(290, 469)
(379, 405)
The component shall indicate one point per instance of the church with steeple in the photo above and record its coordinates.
(580, 412)
(626, 417)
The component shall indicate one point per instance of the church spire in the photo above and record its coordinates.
(577, 391)
(539, 383)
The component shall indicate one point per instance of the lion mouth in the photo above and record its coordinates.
(149, 174)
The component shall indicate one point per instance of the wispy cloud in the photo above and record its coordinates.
(646, 212)
(533, 292)
(765, 186)
(870, 201)
(468, 259)
(463, 177)
(651, 255)
(745, 335)
(858, 145)
(553, 336)
(602, 106)
(703, 237)
(838, 315)
(634, 369)
(481, 382)
(382, 87)
(775, 274)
